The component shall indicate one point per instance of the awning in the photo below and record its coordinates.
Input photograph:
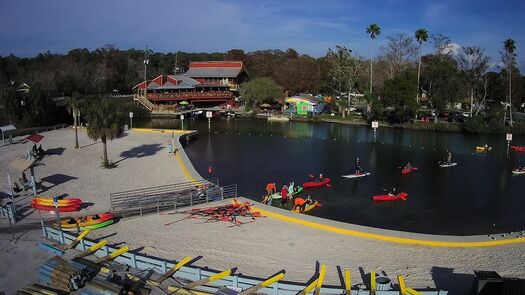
(36, 138)
(20, 164)
(7, 128)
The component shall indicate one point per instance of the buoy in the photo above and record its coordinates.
(210, 169)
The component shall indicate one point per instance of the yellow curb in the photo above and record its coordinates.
(183, 167)
(410, 241)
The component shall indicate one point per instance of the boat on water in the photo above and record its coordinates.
(356, 175)
(387, 198)
(520, 149)
(405, 171)
(445, 165)
(482, 149)
(308, 207)
(518, 171)
(323, 182)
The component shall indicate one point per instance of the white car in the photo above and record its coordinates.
(466, 114)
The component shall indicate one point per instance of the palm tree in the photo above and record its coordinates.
(103, 123)
(421, 36)
(373, 30)
(74, 103)
(510, 47)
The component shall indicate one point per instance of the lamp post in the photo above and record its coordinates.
(131, 120)
(182, 121)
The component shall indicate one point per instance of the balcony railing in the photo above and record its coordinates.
(190, 95)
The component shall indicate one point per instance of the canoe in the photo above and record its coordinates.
(309, 207)
(71, 208)
(518, 148)
(325, 181)
(385, 198)
(481, 149)
(356, 175)
(518, 172)
(94, 226)
(405, 171)
(62, 202)
(80, 222)
(447, 165)
(299, 189)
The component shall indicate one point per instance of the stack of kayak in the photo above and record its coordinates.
(386, 198)
(64, 205)
(87, 222)
(518, 148)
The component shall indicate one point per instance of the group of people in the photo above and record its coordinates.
(24, 184)
(37, 153)
(287, 192)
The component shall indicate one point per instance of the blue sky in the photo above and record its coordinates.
(33, 26)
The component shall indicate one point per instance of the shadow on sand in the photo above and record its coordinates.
(54, 180)
(144, 150)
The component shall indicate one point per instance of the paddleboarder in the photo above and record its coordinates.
(357, 164)
(449, 158)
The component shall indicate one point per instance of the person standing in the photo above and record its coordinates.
(357, 165)
(284, 195)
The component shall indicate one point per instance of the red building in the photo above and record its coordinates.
(208, 83)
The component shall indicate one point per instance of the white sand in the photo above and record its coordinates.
(143, 161)
(267, 245)
(260, 248)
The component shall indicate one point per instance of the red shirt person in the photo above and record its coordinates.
(284, 195)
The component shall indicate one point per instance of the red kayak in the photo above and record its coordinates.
(518, 148)
(325, 181)
(385, 198)
(405, 171)
(72, 208)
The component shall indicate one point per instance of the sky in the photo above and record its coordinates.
(33, 26)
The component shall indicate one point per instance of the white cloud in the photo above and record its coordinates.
(452, 48)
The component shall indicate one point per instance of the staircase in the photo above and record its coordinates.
(146, 103)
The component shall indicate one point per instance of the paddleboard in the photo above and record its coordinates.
(447, 165)
(356, 176)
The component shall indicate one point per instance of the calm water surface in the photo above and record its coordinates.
(478, 196)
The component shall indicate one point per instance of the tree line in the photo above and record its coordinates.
(396, 81)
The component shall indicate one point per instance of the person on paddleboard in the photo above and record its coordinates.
(392, 192)
(449, 158)
(357, 164)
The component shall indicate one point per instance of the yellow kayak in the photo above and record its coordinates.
(308, 208)
(483, 149)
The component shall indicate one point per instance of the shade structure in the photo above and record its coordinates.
(36, 138)
(183, 102)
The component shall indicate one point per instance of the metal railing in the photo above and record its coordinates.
(169, 197)
(195, 273)
(8, 135)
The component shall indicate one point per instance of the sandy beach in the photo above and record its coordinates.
(258, 248)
